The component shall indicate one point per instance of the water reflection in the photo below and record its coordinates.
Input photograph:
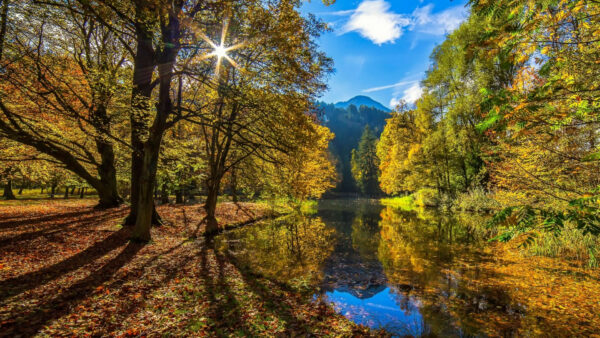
(413, 273)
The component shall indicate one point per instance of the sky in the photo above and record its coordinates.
(381, 48)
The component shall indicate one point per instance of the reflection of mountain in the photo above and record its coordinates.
(347, 272)
(353, 267)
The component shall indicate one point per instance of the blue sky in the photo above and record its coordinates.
(381, 48)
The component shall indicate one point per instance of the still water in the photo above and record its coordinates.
(413, 273)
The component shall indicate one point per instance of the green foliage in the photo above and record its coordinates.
(476, 199)
(437, 145)
(427, 197)
(405, 202)
(348, 125)
(365, 164)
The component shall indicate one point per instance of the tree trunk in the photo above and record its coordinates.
(81, 192)
(53, 190)
(66, 192)
(136, 172)
(164, 194)
(146, 209)
(234, 196)
(179, 196)
(41, 190)
(8, 193)
(147, 59)
(21, 189)
(73, 190)
(210, 206)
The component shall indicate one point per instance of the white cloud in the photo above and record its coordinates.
(424, 21)
(394, 85)
(374, 21)
(409, 95)
(412, 93)
(394, 102)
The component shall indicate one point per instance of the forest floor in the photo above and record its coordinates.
(67, 269)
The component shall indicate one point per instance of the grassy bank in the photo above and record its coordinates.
(404, 202)
(69, 270)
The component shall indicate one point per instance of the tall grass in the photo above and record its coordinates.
(405, 202)
(570, 243)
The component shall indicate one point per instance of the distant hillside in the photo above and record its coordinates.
(362, 101)
(348, 123)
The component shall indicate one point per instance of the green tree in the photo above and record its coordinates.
(365, 164)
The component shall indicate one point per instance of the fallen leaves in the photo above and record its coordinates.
(68, 270)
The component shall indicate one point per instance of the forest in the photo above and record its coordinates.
(170, 168)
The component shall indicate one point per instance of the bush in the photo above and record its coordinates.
(569, 243)
(426, 197)
(477, 200)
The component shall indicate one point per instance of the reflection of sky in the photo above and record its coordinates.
(381, 311)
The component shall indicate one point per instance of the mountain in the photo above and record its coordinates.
(348, 125)
(363, 101)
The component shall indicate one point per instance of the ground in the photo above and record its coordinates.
(67, 269)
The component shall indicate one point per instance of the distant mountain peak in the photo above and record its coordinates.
(362, 100)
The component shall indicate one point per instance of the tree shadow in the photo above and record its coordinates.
(29, 322)
(57, 228)
(17, 285)
(21, 219)
(227, 311)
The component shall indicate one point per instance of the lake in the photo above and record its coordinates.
(412, 273)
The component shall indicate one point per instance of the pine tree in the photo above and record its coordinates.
(365, 163)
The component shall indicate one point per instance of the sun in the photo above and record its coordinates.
(220, 51)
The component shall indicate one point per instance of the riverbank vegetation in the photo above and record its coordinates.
(508, 123)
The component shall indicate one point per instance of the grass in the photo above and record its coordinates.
(405, 202)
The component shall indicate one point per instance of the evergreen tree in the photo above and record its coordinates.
(365, 163)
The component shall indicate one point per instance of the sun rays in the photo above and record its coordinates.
(221, 50)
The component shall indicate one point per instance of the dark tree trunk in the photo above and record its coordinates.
(146, 208)
(234, 196)
(179, 196)
(210, 206)
(66, 192)
(73, 191)
(53, 190)
(21, 189)
(8, 193)
(41, 190)
(136, 172)
(164, 194)
(146, 59)
(81, 192)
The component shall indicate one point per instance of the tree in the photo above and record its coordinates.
(306, 172)
(62, 72)
(544, 123)
(399, 151)
(365, 164)
(438, 144)
(262, 91)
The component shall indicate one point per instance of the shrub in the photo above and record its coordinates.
(477, 200)
(426, 197)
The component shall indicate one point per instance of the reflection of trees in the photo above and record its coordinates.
(365, 232)
(434, 258)
(353, 266)
(290, 247)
